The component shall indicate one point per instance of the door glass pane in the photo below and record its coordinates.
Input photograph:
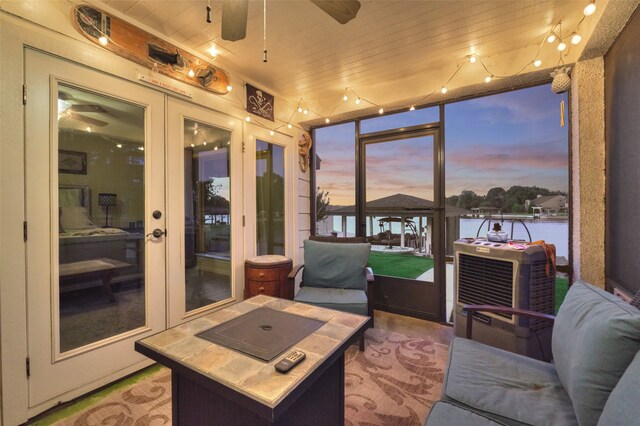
(400, 120)
(100, 217)
(207, 214)
(336, 180)
(270, 198)
(399, 207)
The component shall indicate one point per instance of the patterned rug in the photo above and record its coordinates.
(394, 382)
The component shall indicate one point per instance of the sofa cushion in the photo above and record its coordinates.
(622, 407)
(335, 264)
(595, 337)
(507, 387)
(341, 299)
(443, 413)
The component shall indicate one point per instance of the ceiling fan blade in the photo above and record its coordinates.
(341, 10)
(88, 108)
(234, 19)
(88, 120)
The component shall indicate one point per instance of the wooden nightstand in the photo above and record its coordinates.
(267, 275)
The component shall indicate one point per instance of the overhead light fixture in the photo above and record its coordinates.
(473, 59)
(443, 90)
(537, 63)
(562, 46)
(551, 38)
(576, 38)
(487, 79)
(103, 40)
(589, 9)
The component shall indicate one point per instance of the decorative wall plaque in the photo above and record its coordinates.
(260, 102)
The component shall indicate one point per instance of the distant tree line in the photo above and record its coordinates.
(509, 201)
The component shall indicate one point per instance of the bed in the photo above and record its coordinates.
(82, 240)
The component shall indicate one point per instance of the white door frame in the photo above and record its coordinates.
(177, 112)
(56, 377)
(254, 133)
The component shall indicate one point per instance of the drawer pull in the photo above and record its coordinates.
(261, 275)
(261, 290)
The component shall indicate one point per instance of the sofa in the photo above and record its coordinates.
(594, 378)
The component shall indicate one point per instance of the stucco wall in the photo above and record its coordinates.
(588, 180)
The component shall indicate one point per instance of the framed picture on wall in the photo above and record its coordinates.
(72, 162)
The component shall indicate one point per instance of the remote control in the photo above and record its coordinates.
(290, 361)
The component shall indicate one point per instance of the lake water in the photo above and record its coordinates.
(555, 232)
(551, 231)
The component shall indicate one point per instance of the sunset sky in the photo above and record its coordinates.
(503, 140)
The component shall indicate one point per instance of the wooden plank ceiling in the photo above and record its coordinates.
(392, 53)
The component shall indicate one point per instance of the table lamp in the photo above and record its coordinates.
(107, 200)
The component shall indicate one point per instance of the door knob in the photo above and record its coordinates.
(157, 233)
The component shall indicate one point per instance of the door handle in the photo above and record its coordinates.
(157, 233)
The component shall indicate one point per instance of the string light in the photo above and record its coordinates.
(487, 79)
(537, 63)
(562, 46)
(381, 110)
(191, 73)
(289, 125)
(589, 9)
(89, 129)
(473, 59)
(271, 132)
(443, 90)
(326, 120)
(345, 97)
(141, 148)
(305, 112)
(551, 38)
(412, 108)
(576, 38)
(118, 145)
(193, 145)
(103, 40)
(247, 119)
(213, 51)
(358, 101)
(229, 88)
(299, 109)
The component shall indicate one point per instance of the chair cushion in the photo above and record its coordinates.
(346, 300)
(445, 414)
(507, 387)
(335, 265)
(595, 337)
(622, 407)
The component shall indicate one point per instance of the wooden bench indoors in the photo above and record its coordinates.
(103, 268)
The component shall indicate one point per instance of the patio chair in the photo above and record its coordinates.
(335, 276)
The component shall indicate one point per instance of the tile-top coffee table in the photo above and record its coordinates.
(212, 384)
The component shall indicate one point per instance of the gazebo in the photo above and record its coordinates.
(404, 207)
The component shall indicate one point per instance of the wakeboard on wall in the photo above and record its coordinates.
(148, 50)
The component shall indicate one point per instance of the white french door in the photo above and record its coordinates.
(204, 212)
(95, 187)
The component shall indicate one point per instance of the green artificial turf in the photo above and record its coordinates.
(562, 286)
(399, 265)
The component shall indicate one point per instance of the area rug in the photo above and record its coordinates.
(393, 382)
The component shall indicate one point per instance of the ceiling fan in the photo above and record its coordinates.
(73, 110)
(234, 15)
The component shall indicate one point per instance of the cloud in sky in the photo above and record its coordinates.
(507, 139)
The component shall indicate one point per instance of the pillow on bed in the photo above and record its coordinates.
(75, 218)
